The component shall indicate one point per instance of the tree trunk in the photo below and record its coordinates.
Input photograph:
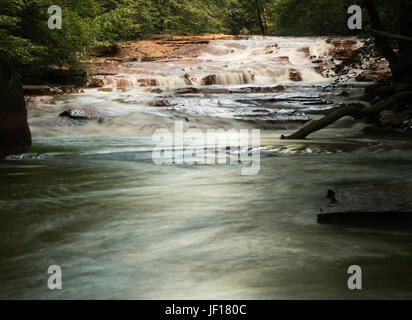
(15, 134)
(400, 63)
(260, 17)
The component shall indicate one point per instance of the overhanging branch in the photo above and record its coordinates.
(357, 111)
(391, 36)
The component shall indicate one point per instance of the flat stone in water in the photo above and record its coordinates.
(377, 204)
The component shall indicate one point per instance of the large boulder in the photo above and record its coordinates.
(15, 134)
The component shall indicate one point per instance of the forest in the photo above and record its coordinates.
(25, 37)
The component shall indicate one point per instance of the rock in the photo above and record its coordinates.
(407, 125)
(43, 90)
(319, 69)
(266, 119)
(305, 50)
(123, 83)
(368, 205)
(188, 90)
(34, 90)
(157, 90)
(341, 53)
(266, 89)
(192, 90)
(110, 50)
(188, 79)
(36, 75)
(395, 119)
(295, 75)
(147, 82)
(375, 71)
(32, 101)
(209, 80)
(83, 114)
(15, 134)
(342, 49)
(72, 89)
(161, 103)
(318, 102)
(375, 129)
(282, 60)
(95, 83)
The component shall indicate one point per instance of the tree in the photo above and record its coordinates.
(393, 41)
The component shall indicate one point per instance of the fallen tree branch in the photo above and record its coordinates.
(357, 111)
(391, 36)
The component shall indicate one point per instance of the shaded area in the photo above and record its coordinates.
(14, 131)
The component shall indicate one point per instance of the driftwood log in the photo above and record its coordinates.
(357, 111)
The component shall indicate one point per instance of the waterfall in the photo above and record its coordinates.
(258, 60)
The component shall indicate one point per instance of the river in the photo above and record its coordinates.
(89, 198)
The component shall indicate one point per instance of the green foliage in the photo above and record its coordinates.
(116, 25)
(25, 37)
(311, 17)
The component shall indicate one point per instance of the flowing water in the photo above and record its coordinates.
(89, 198)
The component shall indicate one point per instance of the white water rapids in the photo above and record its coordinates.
(259, 60)
(264, 82)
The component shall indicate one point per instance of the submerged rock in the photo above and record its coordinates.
(279, 119)
(220, 90)
(368, 205)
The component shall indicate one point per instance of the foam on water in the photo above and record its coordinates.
(259, 60)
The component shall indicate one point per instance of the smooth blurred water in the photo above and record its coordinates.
(89, 198)
(122, 227)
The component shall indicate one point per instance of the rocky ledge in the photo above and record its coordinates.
(377, 204)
